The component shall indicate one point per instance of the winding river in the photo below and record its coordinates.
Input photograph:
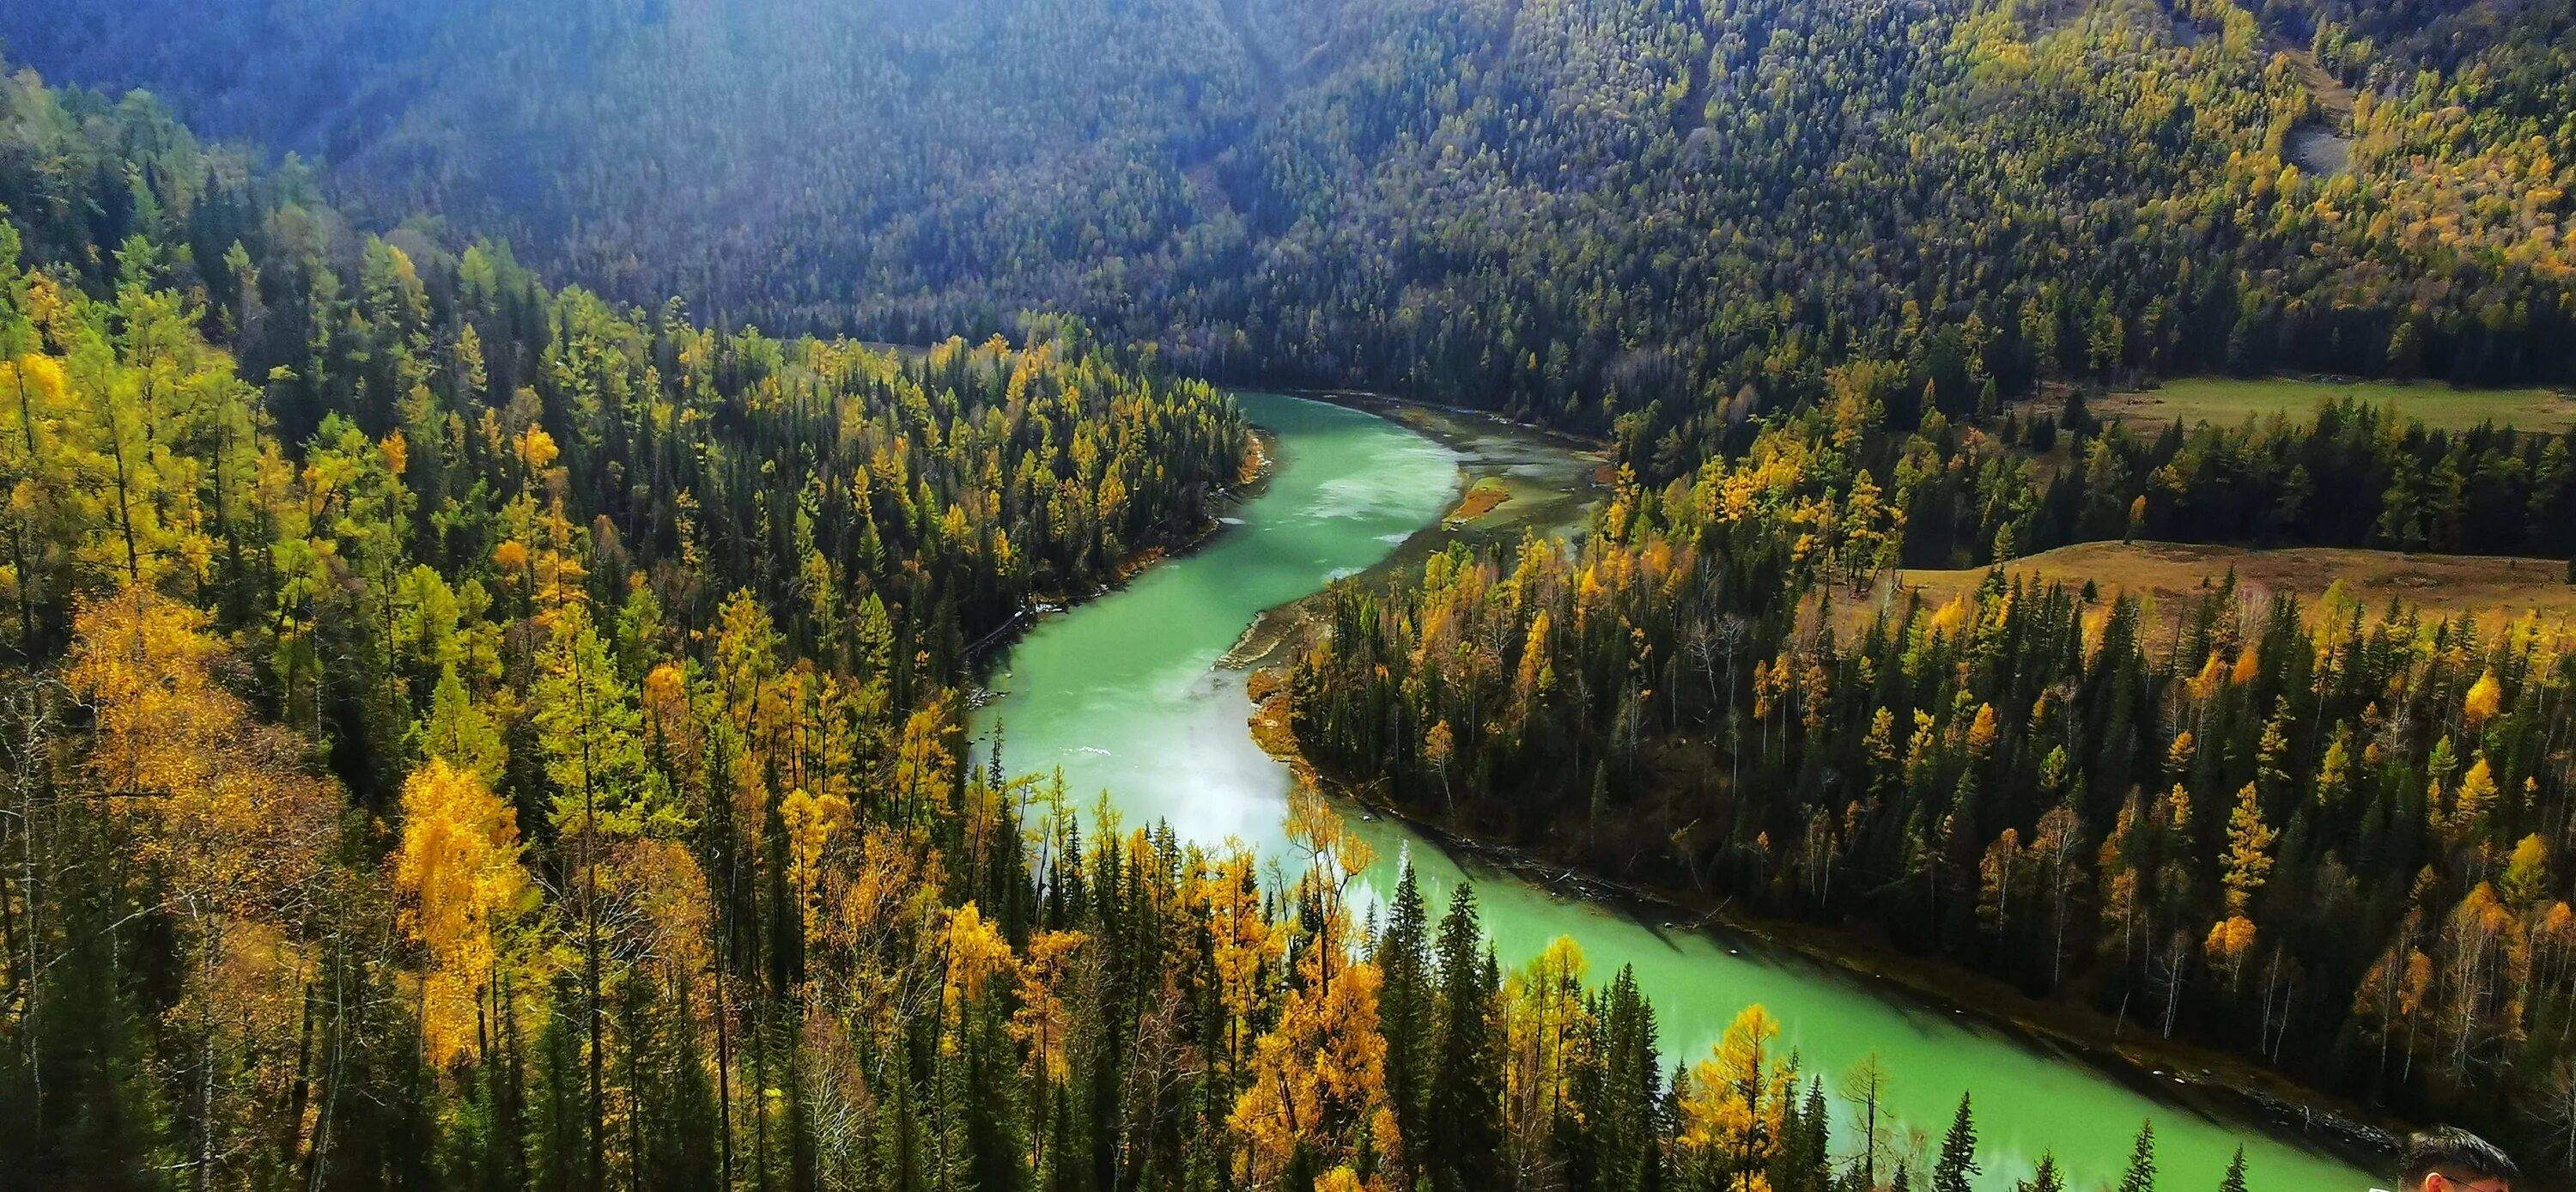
(1129, 693)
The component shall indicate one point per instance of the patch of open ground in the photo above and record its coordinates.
(2170, 576)
(2228, 401)
(1487, 494)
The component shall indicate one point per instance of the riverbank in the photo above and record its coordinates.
(1532, 479)
(2194, 1077)
(1131, 695)
(2191, 1076)
(1260, 453)
(1514, 480)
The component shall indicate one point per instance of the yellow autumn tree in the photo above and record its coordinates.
(459, 881)
(2469, 807)
(811, 822)
(1247, 947)
(2249, 851)
(2485, 697)
(1982, 731)
(1318, 1081)
(226, 801)
(925, 761)
(1042, 1024)
(1547, 1036)
(2526, 876)
(1334, 857)
(2230, 940)
(659, 900)
(977, 956)
(238, 832)
(1726, 1130)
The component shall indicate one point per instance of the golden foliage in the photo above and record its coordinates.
(1318, 1080)
(2484, 698)
(977, 956)
(458, 878)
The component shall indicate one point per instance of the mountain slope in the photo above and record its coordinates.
(1568, 208)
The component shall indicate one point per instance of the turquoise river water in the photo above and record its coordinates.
(1129, 693)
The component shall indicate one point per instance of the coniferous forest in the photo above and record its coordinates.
(512, 509)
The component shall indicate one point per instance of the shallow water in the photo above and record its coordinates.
(1127, 694)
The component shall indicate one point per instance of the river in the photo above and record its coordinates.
(1129, 693)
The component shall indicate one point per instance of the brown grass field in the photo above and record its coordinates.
(2171, 575)
(1487, 495)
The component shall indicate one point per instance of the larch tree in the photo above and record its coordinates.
(595, 760)
(458, 874)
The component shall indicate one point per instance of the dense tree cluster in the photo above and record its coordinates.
(1672, 211)
(2346, 475)
(465, 443)
(2325, 835)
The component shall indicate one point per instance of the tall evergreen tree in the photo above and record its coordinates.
(1958, 1162)
(2044, 1178)
(1464, 1132)
(1407, 1003)
(2235, 1178)
(2140, 1176)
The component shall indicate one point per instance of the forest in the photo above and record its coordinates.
(2307, 830)
(464, 734)
(489, 618)
(1658, 217)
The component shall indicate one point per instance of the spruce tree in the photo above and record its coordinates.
(1619, 1099)
(1405, 1011)
(2141, 1175)
(1464, 1132)
(562, 1118)
(1800, 1163)
(1958, 1159)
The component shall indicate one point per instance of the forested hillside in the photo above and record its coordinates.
(465, 734)
(1682, 210)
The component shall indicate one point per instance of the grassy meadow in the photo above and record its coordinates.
(2228, 401)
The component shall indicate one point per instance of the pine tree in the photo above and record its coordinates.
(1810, 1151)
(1405, 1008)
(1620, 1099)
(2235, 1180)
(563, 1119)
(1958, 1160)
(2141, 1173)
(1464, 1133)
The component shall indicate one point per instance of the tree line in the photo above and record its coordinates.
(1648, 216)
(2345, 474)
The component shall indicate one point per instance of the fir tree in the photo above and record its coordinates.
(1958, 1160)
(2141, 1173)
(1406, 1004)
(1465, 1133)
